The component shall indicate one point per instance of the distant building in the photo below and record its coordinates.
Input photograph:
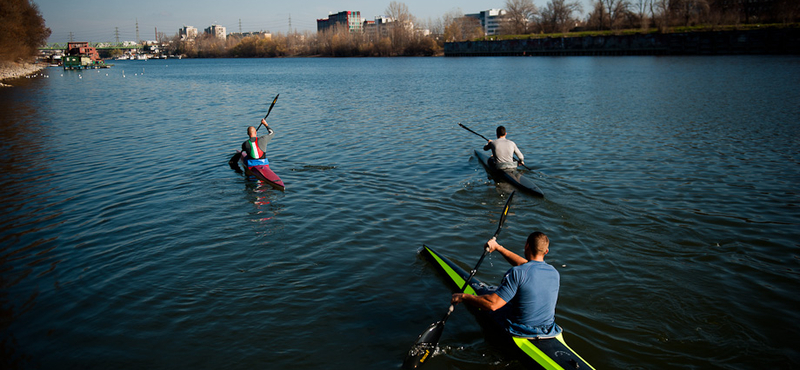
(216, 31)
(380, 27)
(187, 33)
(349, 19)
(490, 20)
(242, 35)
(82, 48)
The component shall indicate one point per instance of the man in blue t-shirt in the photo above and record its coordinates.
(530, 288)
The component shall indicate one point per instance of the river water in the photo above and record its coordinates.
(671, 201)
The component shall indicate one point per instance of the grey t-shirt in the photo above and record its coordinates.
(503, 151)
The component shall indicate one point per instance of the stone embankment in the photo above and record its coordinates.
(11, 70)
(752, 42)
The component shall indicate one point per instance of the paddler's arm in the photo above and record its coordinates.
(519, 155)
(512, 258)
(269, 129)
(487, 301)
(488, 146)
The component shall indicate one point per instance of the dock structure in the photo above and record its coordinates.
(79, 55)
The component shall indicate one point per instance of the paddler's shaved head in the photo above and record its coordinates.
(251, 131)
(537, 243)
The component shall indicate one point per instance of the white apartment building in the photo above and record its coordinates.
(490, 20)
(217, 31)
(187, 33)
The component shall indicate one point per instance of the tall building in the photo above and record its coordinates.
(216, 31)
(349, 19)
(490, 20)
(187, 33)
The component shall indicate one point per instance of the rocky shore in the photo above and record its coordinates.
(11, 70)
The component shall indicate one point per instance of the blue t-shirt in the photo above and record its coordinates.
(531, 289)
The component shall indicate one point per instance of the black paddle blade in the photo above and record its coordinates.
(271, 106)
(424, 347)
(234, 162)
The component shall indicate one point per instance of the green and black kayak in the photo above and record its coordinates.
(513, 176)
(534, 353)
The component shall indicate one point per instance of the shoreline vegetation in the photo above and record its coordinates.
(23, 32)
(402, 34)
(345, 44)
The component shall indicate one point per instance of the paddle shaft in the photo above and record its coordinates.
(468, 129)
(485, 252)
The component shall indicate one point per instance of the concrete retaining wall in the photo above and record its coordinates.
(763, 41)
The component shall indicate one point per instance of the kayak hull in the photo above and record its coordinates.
(263, 173)
(546, 353)
(512, 177)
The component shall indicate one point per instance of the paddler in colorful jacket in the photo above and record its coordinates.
(256, 146)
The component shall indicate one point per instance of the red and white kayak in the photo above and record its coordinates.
(259, 169)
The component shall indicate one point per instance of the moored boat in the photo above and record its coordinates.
(260, 170)
(533, 353)
(512, 176)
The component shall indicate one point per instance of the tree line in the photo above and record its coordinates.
(521, 17)
(22, 30)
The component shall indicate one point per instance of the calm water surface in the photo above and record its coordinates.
(127, 242)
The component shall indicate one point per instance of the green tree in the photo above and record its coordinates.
(22, 30)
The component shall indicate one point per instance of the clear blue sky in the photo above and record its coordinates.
(96, 20)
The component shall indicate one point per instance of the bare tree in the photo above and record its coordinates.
(557, 16)
(689, 11)
(642, 7)
(659, 12)
(598, 18)
(22, 30)
(403, 25)
(520, 16)
(457, 27)
(616, 10)
(786, 11)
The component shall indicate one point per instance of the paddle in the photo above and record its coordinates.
(232, 162)
(270, 110)
(484, 138)
(426, 343)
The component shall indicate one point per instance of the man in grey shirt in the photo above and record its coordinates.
(503, 151)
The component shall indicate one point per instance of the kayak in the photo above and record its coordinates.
(534, 353)
(259, 169)
(511, 176)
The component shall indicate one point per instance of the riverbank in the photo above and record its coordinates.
(766, 41)
(11, 70)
